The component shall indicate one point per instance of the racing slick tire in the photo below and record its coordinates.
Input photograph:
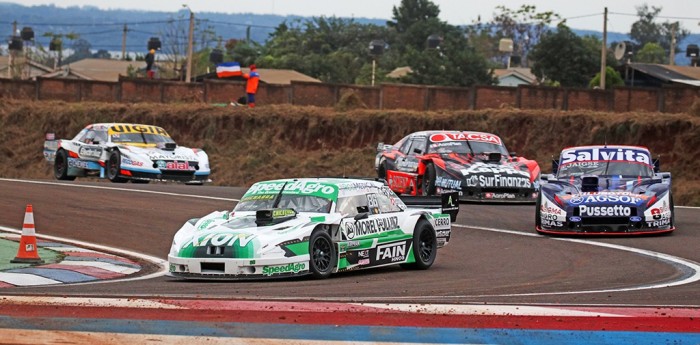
(425, 246)
(429, 180)
(322, 256)
(140, 181)
(60, 166)
(113, 166)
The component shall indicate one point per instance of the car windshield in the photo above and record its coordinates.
(140, 138)
(461, 147)
(300, 203)
(605, 168)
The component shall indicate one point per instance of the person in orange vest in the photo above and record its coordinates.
(251, 86)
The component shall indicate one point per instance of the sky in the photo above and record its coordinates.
(586, 14)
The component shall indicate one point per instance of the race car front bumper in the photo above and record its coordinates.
(178, 176)
(230, 269)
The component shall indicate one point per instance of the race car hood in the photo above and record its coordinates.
(479, 171)
(238, 236)
(180, 153)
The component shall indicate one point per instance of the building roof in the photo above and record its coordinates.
(281, 76)
(658, 71)
(103, 69)
(36, 69)
(525, 74)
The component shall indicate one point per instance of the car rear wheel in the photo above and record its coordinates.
(60, 166)
(114, 166)
(322, 254)
(424, 246)
(381, 170)
(429, 180)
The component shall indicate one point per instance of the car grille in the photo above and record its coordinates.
(213, 266)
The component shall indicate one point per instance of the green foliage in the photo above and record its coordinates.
(651, 53)
(563, 56)
(612, 78)
(646, 30)
(525, 26)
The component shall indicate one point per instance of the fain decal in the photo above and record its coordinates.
(392, 252)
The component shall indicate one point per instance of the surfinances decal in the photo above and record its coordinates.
(315, 188)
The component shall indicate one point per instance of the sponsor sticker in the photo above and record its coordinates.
(442, 222)
(282, 269)
(605, 211)
(373, 226)
(90, 151)
(131, 128)
(448, 183)
(295, 187)
(393, 252)
(605, 198)
(605, 154)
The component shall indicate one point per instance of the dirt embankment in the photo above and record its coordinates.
(247, 145)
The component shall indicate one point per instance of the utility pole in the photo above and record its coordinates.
(604, 50)
(124, 43)
(189, 48)
(672, 56)
(11, 60)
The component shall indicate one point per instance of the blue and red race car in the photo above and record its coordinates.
(610, 190)
(475, 164)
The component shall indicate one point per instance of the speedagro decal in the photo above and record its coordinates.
(371, 226)
(295, 187)
(282, 269)
(605, 154)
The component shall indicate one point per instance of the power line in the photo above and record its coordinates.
(100, 24)
(662, 17)
(583, 16)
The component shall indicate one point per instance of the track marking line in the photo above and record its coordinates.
(120, 189)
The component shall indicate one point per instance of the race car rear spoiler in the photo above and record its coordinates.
(447, 203)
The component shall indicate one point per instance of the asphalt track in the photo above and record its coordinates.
(494, 258)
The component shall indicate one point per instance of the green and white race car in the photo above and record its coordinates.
(315, 226)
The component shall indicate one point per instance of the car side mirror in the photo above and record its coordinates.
(555, 166)
(360, 216)
(657, 165)
(380, 147)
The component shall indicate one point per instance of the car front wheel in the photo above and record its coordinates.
(114, 166)
(322, 254)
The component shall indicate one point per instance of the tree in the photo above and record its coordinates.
(525, 26)
(651, 53)
(562, 56)
(81, 50)
(646, 30)
(612, 78)
(411, 12)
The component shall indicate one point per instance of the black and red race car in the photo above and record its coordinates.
(475, 164)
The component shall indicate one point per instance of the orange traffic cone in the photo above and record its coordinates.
(28, 252)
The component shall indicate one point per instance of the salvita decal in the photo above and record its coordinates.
(604, 198)
(605, 154)
(372, 226)
(604, 211)
(282, 269)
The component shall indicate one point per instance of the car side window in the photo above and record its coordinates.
(101, 137)
(350, 206)
(405, 146)
(81, 135)
(418, 144)
(385, 204)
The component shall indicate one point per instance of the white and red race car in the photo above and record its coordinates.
(123, 152)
